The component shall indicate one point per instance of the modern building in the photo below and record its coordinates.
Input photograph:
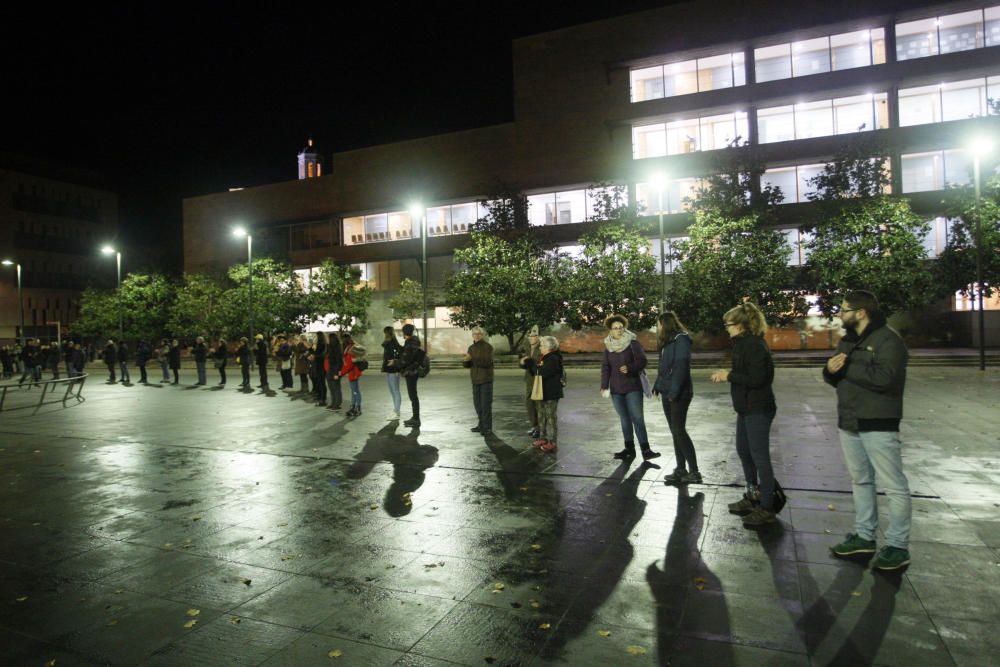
(656, 91)
(52, 220)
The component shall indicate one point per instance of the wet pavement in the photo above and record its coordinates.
(163, 525)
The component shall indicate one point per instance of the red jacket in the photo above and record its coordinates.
(349, 369)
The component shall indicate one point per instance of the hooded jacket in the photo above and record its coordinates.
(673, 376)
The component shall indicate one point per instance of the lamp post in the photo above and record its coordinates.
(418, 211)
(240, 232)
(660, 181)
(20, 297)
(109, 250)
(981, 147)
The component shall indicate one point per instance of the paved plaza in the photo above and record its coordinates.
(162, 525)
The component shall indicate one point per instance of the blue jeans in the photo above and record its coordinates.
(629, 409)
(356, 394)
(202, 377)
(123, 365)
(482, 401)
(392, 379)
(871, 456)
(753, 444)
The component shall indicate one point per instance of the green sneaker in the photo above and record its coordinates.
(891, 558)
(853, 545)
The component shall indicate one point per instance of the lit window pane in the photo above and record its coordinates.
(807, 172)
(680, 78)
(854, 114)
(682, 136)
(881, 111)
(851, 49)
(542, 209)
(717, 131)
(739, 69)
(399, 225)
(464, 216)
(878, 46)
(775, 124)
(438, 221)
(957, 168)
(811, 56)
(813, 119)
(376, 227)
(773, 62)
(963, 99)
(916, 39)
(649, 141)
(922, 172)
(918, 106)
(647, 83)
(783, 178)
(792, 242)
(961, 32)
(572, 205)
(354, 230)
(715, 72)
(993, 26)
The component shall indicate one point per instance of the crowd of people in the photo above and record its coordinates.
(34, 357)
(868, 371)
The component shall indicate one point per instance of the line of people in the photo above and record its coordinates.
(35, 357)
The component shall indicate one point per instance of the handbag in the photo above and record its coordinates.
(537, 391)
(646, 389)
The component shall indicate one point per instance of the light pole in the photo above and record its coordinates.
(20, 297)
(981, 147)
(109, 250)
(660, 181)
(240, 232)
(418, 211)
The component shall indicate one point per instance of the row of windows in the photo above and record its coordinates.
(688, 135)
(398, 225)
(955, 100)
(861, 48)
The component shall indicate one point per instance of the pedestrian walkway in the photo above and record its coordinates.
(184, 525)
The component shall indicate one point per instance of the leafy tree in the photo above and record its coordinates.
(955, 268)
(409, 303)
(864, 239)
(336, 298)
(98, 313)
(732, 190)
(506, 211)
(199, 308)
(143, 302)
(278, 299)
(727, 261)
(506, 286)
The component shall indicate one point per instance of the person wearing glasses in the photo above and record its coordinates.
(869, 373)
(750, 380)
(622, 368)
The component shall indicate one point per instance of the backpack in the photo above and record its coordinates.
(425, 366)
(361, 365)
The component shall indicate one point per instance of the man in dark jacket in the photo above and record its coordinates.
(200, 354)
(111, 360)
(261, 353)
(479, 360)
(410, 360)
(78, 360)
(869, 372)
(330, 370)
(143, 351)
(123, 362)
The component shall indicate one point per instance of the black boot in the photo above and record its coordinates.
(628, 453)
(648, 453)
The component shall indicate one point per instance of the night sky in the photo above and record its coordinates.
(176, 100)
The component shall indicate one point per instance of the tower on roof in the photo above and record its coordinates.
(310, 164)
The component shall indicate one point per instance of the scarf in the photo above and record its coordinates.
(620, 344)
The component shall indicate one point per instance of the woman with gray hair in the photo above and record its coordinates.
(479, 360)
(549, 368)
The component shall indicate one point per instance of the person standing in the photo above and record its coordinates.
(143, 352)
(301, 358)
(318, 366)
(479, 360)
(243, 359)
(174, 359)
(675, 389)
(220, 357)
(111, 360)
(550, 368)
(261, 353)
(78, 360)
(391, 349)
(29, 358)
(331, 371)
(622, 367)
(410, 361)
(750, 380)
(200, 354)
(163, 359)
(353, 355)
(53, 360)
(284, 353)
(534, 353)
(123, 356)
(869, 373)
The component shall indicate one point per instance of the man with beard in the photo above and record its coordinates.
(869, 372)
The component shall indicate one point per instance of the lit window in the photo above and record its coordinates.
(992, 27)
(935, 170)
(682, 136)
(686, 77)
(776, 124)
(649, 141)
(811, 56)
(785, 179)
(813, 119)
(918, 106)
(400, 226)
(376, 227)
(463, 217)
(916, 39)
(961, 32)
(647, 83)
(963, 99)
(675, 193)
(354, 230)
(680, 78)
(773, 62)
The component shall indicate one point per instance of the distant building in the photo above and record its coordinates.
(310, 162)
(657, 91)
(52, 220)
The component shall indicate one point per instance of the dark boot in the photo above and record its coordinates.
(628, 453)
(648, 453)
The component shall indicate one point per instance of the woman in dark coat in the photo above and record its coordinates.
(550, 368)
(622, 368)
(391, 349)
(219, 356)
(318, 373)
(243, 359)
(174, 359)
(675, 389)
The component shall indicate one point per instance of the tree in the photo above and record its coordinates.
(955, 268)
(728, 261)
(506, 211)
(506, 286)
(278, 299)
(337, 299)
(98, 313)
(864, 239)
(732, 190)
(143, 303)
(199, 308)
(409, 303)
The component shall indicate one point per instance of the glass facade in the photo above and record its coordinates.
(843, 115)
(562, 208)
(955, 100)
(689, 76)
(794, 181)
(397, 225)
(675, 195)
(948, 34)
(311, 235)
(935, 170)
(688, 135)
(670, 245)
(822, 54)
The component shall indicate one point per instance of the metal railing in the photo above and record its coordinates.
(73, 387)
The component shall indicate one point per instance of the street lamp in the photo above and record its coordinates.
(980, 148)
(418, 211)
(109, 250)
(240, 232)
(20, 298)
(659, 181)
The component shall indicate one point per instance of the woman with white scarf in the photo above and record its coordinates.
(621, 378)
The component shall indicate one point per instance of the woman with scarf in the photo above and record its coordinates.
(622, 373)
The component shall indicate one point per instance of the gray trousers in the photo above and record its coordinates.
(482, 399)
(548, 425)
(531, 406)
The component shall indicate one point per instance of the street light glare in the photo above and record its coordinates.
(982, 146)
(239, 232)
(7, 262)
(659, 180)
(107, 250)
(416, 210)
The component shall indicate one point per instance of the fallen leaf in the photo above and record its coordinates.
(499, 586)
(856, 594)
(235, 620)
(700, 587)
(22, 598)
(193, 612)
(119, 591)
(544, 626)
(196, 518)
(190, 624)
(50, 663)
(831, 507)
(608, 495)
(282, 524)
(247, 582)
(536, 547)
(635, 650)
(168, 545)
(604, 633)
(537, 588)
(373, 507)
(335, 653)
(535, 604)
(524, 488)
(699, 580)
(113, 621)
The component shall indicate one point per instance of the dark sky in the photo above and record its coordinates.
(171, 100)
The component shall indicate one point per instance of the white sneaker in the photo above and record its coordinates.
(393, 417)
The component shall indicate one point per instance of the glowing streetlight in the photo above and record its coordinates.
(659, 181)
(239, 232)
(418, 212)
(20, 298)
(980, 148)
(110, 250)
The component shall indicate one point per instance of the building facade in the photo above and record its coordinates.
(52, 220)
(653, 92)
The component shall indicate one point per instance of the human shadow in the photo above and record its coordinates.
(409, 460)
(683, 571)
(516, 466)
